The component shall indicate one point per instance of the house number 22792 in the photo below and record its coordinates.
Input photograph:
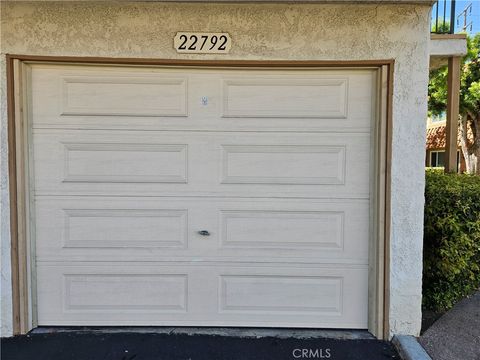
(202, 43)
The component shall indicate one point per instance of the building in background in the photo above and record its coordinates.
(435, 145)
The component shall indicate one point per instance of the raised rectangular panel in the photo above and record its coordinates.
(285, 97)
(129, 228)
(125, 292)
(124, 96)
(203, 305)
(283, 164)
(283, 229)
(140, 163)
(277, 293)
(261, 230)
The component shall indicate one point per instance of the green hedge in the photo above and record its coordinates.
(451, 255)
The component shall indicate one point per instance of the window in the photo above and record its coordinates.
(439, 118)
(437, 159)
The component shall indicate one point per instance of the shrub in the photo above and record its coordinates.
(451, 255)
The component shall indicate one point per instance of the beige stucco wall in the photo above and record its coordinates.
(259, 31)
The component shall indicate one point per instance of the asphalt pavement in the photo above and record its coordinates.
(87, 345)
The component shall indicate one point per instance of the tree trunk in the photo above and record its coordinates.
(470, 122)
(463, 134)
(475, 148)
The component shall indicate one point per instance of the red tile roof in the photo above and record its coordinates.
(436, 137)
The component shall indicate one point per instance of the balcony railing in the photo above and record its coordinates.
(443, 17)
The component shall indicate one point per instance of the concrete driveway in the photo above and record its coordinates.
(456, 335)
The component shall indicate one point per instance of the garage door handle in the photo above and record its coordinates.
(204, 233)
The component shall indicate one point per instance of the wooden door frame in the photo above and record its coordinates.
(23, 285)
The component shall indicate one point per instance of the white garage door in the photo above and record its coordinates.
(201, 197)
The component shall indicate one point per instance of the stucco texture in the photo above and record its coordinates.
(261, 32)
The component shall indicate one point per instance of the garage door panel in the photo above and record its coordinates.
(277, 293)
(124, 96)
(62, 94)
(128, 228)
(125, 292)
(279, 229)
(113, 294)
(166, 229)
(208, 164)
(138, 98)
(257, 164)
(126, 163)
(286, 96)
(325, 230)
(201, 196)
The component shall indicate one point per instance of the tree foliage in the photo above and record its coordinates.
(442, 27)
(470, 85)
